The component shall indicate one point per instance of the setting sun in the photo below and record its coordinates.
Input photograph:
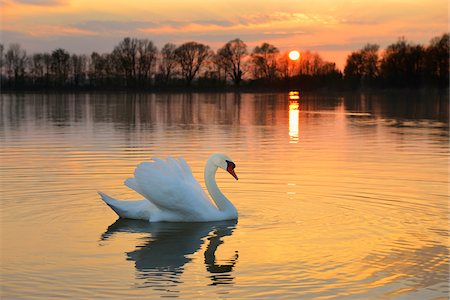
(294, 55)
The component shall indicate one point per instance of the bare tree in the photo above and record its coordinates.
(437, 61)
(220, 66)
(36, 67)
(60, 65)
(231, 57)
(125, 54)
(15, 60)
(97, 69)
(402, 63)
(47, 60)
(146, 59)
(287, 67)
(362, 66)
(190, 56)
(265, 61)
(78, 68)
(2, 49)
(168, 62)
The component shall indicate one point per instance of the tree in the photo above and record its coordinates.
(168, 62)
(264, 58)
(97, 69)
(437, 61)
(78, 69)
(125, 56)
(47, 61)
(286, 67)
(15, 61)
(2, 49)
(146, 60)
(230, 57)
(190, 57)
(362, 66)
(60, 66)
(36, 67)
(402, 64)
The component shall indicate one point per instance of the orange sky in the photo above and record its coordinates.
(333, 28)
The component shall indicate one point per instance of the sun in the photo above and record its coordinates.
(294, 55)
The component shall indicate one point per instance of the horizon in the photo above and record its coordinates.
(332, 29)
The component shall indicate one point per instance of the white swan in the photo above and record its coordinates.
(173, 195)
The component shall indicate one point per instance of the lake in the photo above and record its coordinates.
(339, 196)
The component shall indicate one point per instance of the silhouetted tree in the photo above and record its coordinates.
(2, 59)
(15, 61)
(230, 58)
(135, 59)
(125, 56)
(213, 73)
(36, 68)
(285, 66)
(146, 60)
(167, 66)
(60, 66)
(190, 57)
(220, 67)
(402, 63)
(311, 64)
(2, 49)
(97, 72)
(362, 66)
(78, 69)
(437, 61)
(264, 59)
(47, 60)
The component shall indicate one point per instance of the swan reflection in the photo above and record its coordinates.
(161, 259)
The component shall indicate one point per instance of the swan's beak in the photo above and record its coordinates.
(232, 173)
(230, 169)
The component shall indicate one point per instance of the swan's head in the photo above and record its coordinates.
(224, 162)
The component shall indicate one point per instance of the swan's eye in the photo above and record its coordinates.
(230, 165)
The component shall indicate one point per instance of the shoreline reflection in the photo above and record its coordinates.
(161, 259)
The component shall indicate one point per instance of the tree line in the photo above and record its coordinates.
(138, 64)
(401, 65)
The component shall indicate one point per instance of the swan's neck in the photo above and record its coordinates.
(223, 204)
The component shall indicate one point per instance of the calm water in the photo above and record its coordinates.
(339, 197)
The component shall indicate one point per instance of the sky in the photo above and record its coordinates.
(332, 28)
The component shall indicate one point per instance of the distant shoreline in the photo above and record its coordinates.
(227, 89)
(137, 65)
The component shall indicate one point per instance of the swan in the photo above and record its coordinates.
(172, 194)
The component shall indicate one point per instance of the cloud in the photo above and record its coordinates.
(112, 26)
(59, 30)
(274, 22)
(222, 23)
(138, 27)
(41, 2)
(287, 17)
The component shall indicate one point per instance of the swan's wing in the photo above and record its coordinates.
(170, 185)
(132, 184)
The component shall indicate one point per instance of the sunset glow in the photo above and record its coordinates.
(331, 28)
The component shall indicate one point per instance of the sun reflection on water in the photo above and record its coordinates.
(294, 112)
